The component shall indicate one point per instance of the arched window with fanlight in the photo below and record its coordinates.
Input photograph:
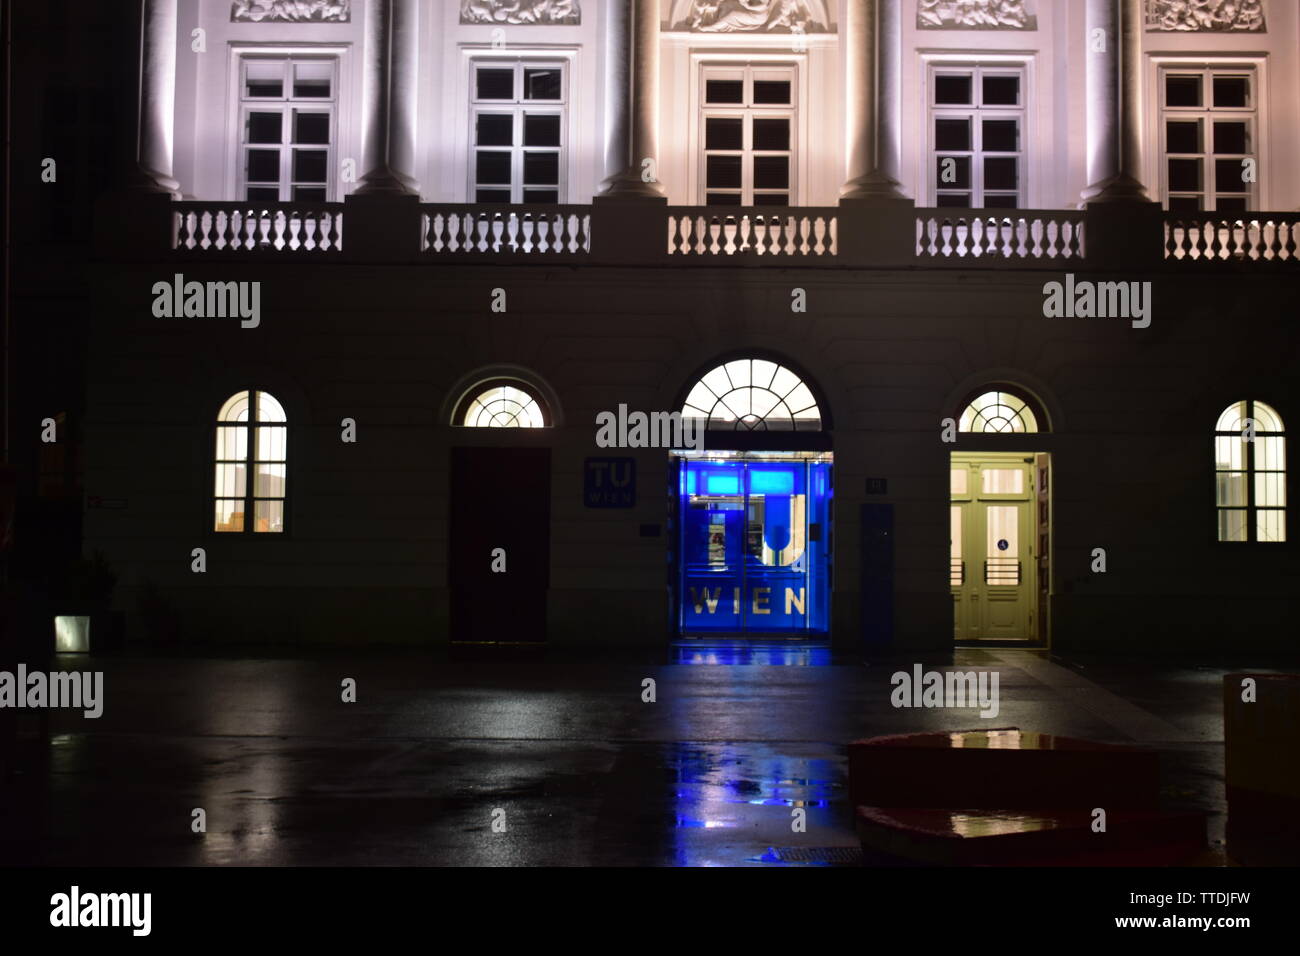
(1250, 473)
(501, 403)
(997, 411)
(753, 395)
(250, 464)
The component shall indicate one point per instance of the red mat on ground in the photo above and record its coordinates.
(1031, 838)
(1006, 768)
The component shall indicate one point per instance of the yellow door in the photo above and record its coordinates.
(992, 568)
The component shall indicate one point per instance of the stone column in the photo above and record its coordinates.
(889, 96)
(631, 97)
(391, 51)
(617, 39)
(157, 98)
(871, 153)
(1114, 101)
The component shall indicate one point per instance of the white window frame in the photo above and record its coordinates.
(344, 141)
(1250, 471)
(1160, 67)
(517, 107)
(1020, 67)
(249, 461)
(748, 112)
(702, 60)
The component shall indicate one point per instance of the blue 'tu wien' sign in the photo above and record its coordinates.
(609, 482)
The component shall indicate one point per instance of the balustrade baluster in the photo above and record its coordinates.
(1201, 244)
(1216, 239)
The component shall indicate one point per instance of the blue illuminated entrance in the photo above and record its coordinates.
(755, 546)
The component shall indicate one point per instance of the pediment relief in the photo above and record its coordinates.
(1205, 16)
(291, 11)
(521, 12)
(751, 16)
(974, 15)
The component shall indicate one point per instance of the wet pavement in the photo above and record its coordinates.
(535, 759)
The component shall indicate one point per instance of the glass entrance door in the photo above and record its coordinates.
(754, 555)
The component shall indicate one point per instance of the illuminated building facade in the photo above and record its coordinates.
(412, 249)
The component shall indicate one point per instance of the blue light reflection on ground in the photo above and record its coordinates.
(738, 787)
(750, 653)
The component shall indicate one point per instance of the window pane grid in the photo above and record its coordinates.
(1250, 475)
(747, 136)
(517, 125)
(977, 132)
(753, 395)
(288, 120)
(503, 405)
(1207, 135)
(998, 412)
(251, 439)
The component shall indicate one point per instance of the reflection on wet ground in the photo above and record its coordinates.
(719, 652)
(756, 791)
(553, 759)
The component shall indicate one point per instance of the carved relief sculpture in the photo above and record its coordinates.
(755, 16)
(1179, 16)
(974, 15)
(521, 12)
(291, 11)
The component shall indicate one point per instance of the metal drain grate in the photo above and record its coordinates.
(843, 855)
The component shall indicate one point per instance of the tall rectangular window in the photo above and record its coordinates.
(287, 127)
(1250, 473)
(977, 130)
(747, 130)
(518, 131)
(1208, 127)
(250, 464)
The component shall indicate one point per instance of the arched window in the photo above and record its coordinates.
(252, 440)
(753, 395)
(1250, 473)
(501, 403)
(998, 411)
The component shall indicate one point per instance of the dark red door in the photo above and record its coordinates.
(500, 499)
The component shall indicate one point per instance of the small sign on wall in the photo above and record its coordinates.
(877, 486)
(609, 482)
(95, 501)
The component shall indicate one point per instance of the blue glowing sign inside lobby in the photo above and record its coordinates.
(755, 547)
